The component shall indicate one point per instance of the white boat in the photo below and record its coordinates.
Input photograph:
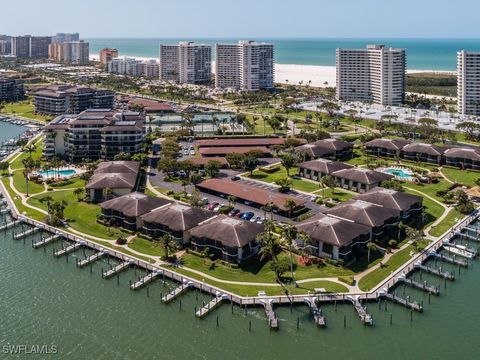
(459, 252)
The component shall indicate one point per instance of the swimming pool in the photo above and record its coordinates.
(47, 174)
(403, 174)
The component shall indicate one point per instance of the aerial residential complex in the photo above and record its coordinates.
(71, 99)
(186, 63)
(73, 52)
(246, 66)
(375, 74)
(468, 83)
(130, 66)
(11, 89)
(94, 134)
(30, 46)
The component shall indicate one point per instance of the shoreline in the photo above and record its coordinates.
(312, 75)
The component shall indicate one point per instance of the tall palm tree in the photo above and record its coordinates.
(166, 241)
(289, 234)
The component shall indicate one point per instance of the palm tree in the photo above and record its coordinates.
(166, 241)
(28, 166)
(29, 148)
(78, 192)
(370, 246)
(290, 205)
(107, 192)
(232, 200)
(290, 233)
(269, 246)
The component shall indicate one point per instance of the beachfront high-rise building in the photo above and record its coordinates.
(65, 37)
(247, 66)
(5, 45)
(133, 67)
(11, 89)
(107, 55)
(186, 63)
(72, 52)
(375, 74)
(30, 46)
(169, 63)
(468, 82)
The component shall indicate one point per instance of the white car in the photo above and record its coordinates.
(185, 152)
(218, 207)
(192, 152)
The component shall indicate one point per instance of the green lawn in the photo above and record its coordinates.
(37, 215)
(451, 219)
(429, 189)
(71, 183)
(432, 210)
(80, 215)
(21, 184)
(464, 177)
(24, 109)
(337, 194)
(146, 247)
(298, 184)
(36, 155)
(370, 280)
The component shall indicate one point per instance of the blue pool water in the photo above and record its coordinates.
(400, 173)
(57, 173)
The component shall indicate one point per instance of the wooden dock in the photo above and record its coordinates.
(145, 280)
(26, 233)
(69, 249)
(45, 241)
(398, 300)
(91, 259)
(448, 259)
(443, 274)
(10, 224)
(212, 305)
(271, 316)
(365, 317)
(179, 290)
(421, 286)
(116, 269)
(468, 236)
(316, 312)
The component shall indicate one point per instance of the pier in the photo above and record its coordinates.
(145, 280)
(4, 211)
(316, 312)
(212, 305)
(460, 250)
(421, 286)
(398, 300)
(448, 259)
(46, 241)
(67, 250)
(26, 233)
(468, 236)
(271, 316)
(443, 274)
(116, 269)
(365, 317)
(10, 224)
(179, 290)
(91, 259)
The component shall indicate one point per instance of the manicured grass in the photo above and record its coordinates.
(451, 219)
(147, 247)
(370, 280)
(464, 177)
(259, 272)
(21, 184)
(337, 194)
(430, 189)
(80, 215)
(432, 210)
(71, 183)
(37, 215)
(24, 109)
(36, 155)
(299, 184)
(124, 251)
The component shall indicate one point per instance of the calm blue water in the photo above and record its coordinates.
(57, 173)
(400, 173)
(423, 54)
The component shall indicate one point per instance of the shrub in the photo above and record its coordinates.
(121, 241)
(270, 170)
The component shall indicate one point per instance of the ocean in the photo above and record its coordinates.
(422, 54)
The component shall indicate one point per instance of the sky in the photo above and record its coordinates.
(243, 18)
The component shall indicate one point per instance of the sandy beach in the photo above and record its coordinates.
(313, 75)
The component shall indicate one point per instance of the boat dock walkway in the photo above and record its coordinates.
(448, 259)
(116, 269)
(405, 302)
(179, 290)
(145, 280)
(271, 315)
(212, 305)
(443, 274)
(365, 317)
(26, 233)
(468, 236)
(46, 241)
(316, 312)
(91, 259)
(10, 224)
(69, 249)
(421, 286)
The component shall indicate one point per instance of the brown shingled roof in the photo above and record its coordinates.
(229, 231)
(134, 204)
(463, 153)
(389, 144)
(363, 176)
(118, 167)
(423, 148)
(177, 217)
(389, 198)
(331, 230)
(324, 166)
(112, 181)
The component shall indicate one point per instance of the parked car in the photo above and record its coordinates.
(235, 178)
(181, 173)
(204, 201)
(240, 214)
(254, 218)
(218, 207)
(260, 220)
(234, 212)
(247, 215)
(185, 152)
(212, 205)
(192, 152)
